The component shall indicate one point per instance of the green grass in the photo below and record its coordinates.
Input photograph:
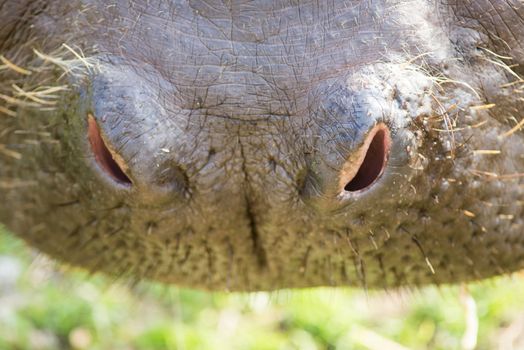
(44, 308)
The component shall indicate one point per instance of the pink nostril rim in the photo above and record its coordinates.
(371, 161)
(104, 157)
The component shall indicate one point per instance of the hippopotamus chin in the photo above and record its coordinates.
(258, 145)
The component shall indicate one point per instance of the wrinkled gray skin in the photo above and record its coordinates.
(235, 124)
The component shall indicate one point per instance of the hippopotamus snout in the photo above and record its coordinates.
(240, 178)
(266, 144)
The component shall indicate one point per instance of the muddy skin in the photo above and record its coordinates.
(268, 144)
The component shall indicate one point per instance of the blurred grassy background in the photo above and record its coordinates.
(41, 307)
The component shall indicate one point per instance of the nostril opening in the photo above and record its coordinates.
(376, 148)
(105, 158)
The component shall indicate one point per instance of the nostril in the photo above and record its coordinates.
(363, 170)
(106, 159)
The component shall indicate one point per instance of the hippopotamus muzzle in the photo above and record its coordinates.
(266, 144)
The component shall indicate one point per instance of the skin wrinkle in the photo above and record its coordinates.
(256, 115)
(485, 13)
(200, 65)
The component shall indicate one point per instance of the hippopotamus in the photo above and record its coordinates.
(260, 145)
